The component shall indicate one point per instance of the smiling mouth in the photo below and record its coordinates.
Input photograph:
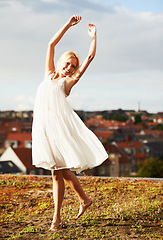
(66, 71)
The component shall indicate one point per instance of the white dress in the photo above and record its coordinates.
(60, 140)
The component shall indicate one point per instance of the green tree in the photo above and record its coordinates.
(138, 119)
(151, 168)
(116, 117)
(158, 127)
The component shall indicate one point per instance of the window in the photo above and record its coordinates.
(142, 150)
(102, 170)
(33, 172)
(12, 143)
(10, 164)
(133, 151)
(127, 167)
(128, 150)
(28, 144)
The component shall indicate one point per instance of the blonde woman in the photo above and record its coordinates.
(61, 141)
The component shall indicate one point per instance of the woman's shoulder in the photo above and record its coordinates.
(49, 77)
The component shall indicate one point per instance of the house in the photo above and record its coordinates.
(100, 124)
(158, 120)
(19, 160)
(151, 124)
(2, 137)
(9, 167)
(17, 126)
(150, 136)
(19, 140)
(136, 150)
(118, 163)
(13, 125)
(103, 135)
(152, 133)
(113, 124)
(155, 149)
(95, 123)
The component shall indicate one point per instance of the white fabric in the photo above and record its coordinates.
(59, 137)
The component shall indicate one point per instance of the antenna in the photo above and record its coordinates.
(138, 106)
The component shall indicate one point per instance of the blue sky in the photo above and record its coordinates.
(127, 69)
(139, 5)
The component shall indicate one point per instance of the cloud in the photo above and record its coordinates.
(19, 103)
(129, 48)
(131, 42)
(53, 6)
(115, 91)
(87, 103)
(126, 41)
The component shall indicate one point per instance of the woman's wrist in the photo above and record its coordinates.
(93, 37)
(69, 24)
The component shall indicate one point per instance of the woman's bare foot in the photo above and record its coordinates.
(83, 207)
(55, 225)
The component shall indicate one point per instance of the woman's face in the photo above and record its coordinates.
(68, 66)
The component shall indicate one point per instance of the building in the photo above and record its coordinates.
(136, 150)
(19, 160)
(118, 163)
(103, 136)
(19, 140)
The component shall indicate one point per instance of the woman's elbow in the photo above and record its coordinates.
(51, 44)
(91, 57)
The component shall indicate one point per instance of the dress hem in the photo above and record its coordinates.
(77, 169)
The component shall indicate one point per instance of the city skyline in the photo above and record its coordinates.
(127, 68)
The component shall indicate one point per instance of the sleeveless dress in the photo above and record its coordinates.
(60, 140)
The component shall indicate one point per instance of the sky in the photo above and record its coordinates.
(126, 71)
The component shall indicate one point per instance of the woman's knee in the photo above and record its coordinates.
(57, 175)
(67, 174)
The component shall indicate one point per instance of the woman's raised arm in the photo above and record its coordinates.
(73, 79)
(91, 53)
(49, 65)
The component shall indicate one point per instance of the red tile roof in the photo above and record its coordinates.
(140, 156)
(149, 124)
(94, 122)
(136, 145)
(111, 124)
(21, 137)
(112, 148)
(2, 132)
(157, 133)
(103, 135)
(25, 155)
(130, 144)
(13, 125)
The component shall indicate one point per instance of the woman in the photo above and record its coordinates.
(61, 141)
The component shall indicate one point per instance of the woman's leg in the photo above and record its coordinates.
(58, 195)
(74, 183)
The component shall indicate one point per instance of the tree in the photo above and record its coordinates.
(151, 168)
(158, 127)
(138, 119)
(117, 117)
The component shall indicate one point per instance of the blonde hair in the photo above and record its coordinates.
(66, 55)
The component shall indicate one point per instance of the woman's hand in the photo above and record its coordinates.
(74, 20)
(92, 30)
